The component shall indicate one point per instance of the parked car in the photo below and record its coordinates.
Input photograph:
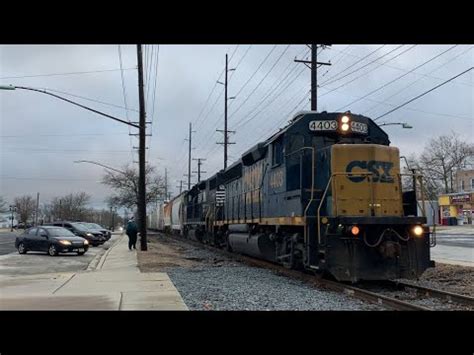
(22, 225)
(94, 226)
(95, 238)
(52, 240)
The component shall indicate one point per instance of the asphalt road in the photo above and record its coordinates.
(458, 240)
(12, 263)
(7, 243)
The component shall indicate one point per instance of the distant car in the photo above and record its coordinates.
(95, 238)
(94, 226)
(52, 240)
(22, 225)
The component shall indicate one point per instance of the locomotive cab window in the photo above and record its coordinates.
(277, 152)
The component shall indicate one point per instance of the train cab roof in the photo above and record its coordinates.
(340, 125)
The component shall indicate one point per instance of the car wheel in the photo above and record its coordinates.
(21, 248)
(52, 250)
(81, 253)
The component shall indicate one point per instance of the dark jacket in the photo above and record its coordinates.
(132, 228)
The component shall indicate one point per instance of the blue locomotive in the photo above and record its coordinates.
(325, 193)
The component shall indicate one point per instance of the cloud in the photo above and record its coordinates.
(186, 75)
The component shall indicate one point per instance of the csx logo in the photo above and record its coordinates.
(379, 169)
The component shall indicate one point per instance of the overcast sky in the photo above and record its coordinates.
(41, 136)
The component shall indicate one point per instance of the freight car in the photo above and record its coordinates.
(324, 193)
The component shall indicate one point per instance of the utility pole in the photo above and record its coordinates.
(313, 65)
(190, 139)
(180, 186)
(166, 183)
(37, 208)
(199, 160)
(141, 154)
(226, 98)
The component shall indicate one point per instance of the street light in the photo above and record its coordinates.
(12, 210)
(102, 165)
(403, 124)
(142, 129)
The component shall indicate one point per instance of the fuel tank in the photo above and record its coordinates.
(258, 245)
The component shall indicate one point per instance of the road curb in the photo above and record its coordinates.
(104, 256)
(94, 264)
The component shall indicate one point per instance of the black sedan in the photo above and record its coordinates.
(95, 238)
(95, 227)
(52, 240)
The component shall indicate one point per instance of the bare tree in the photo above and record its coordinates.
(3, 207)
(70, 207)
(125, 185)
(25, 207)
(440, 160)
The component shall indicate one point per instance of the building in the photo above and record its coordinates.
(458, 206)
(464, 181)
(6, 220)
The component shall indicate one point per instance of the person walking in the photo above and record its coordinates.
(132, 231)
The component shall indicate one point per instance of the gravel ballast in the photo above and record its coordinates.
(208, 281)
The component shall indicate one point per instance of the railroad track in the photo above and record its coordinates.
(393, 295)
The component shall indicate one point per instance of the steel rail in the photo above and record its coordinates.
(435, 293)
(311, 278)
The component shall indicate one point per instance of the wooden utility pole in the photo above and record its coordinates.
(180, 186)
(141, 154)
(226, 98)
(37, 208)
(166, 183)
(190, 139)
(199, 160)
(314, 74)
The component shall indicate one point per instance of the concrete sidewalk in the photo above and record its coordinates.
(115, 284)
(465, 229)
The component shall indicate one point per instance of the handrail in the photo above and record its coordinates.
(324, 196)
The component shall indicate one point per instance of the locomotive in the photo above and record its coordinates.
(324, 193)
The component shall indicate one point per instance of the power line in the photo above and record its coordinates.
(261, 81)
(58, 74)
(243, 121)
(398, 78)
(273, 88)
(256, 70)
(370, 71)
(125, 100)
(92, 100)
(422, 77)
(45, 178)
(63, 135)
(424, 93)
(341, 56)
(409, 108)
(212, 90)
(330, 80)
(400, 69)
(238, 63)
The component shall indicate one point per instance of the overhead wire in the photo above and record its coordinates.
(423, 94)
(420, 78)
(365, 74)
(398, 77)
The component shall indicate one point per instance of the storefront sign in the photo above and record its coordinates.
(460, 198)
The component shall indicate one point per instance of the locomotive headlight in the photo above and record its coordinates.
(355, 230)
(345, 126)
(417, 230)
(345, 119)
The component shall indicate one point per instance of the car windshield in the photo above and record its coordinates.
(60, 232)
(94, 225)
(89, 225)
(80, 227)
